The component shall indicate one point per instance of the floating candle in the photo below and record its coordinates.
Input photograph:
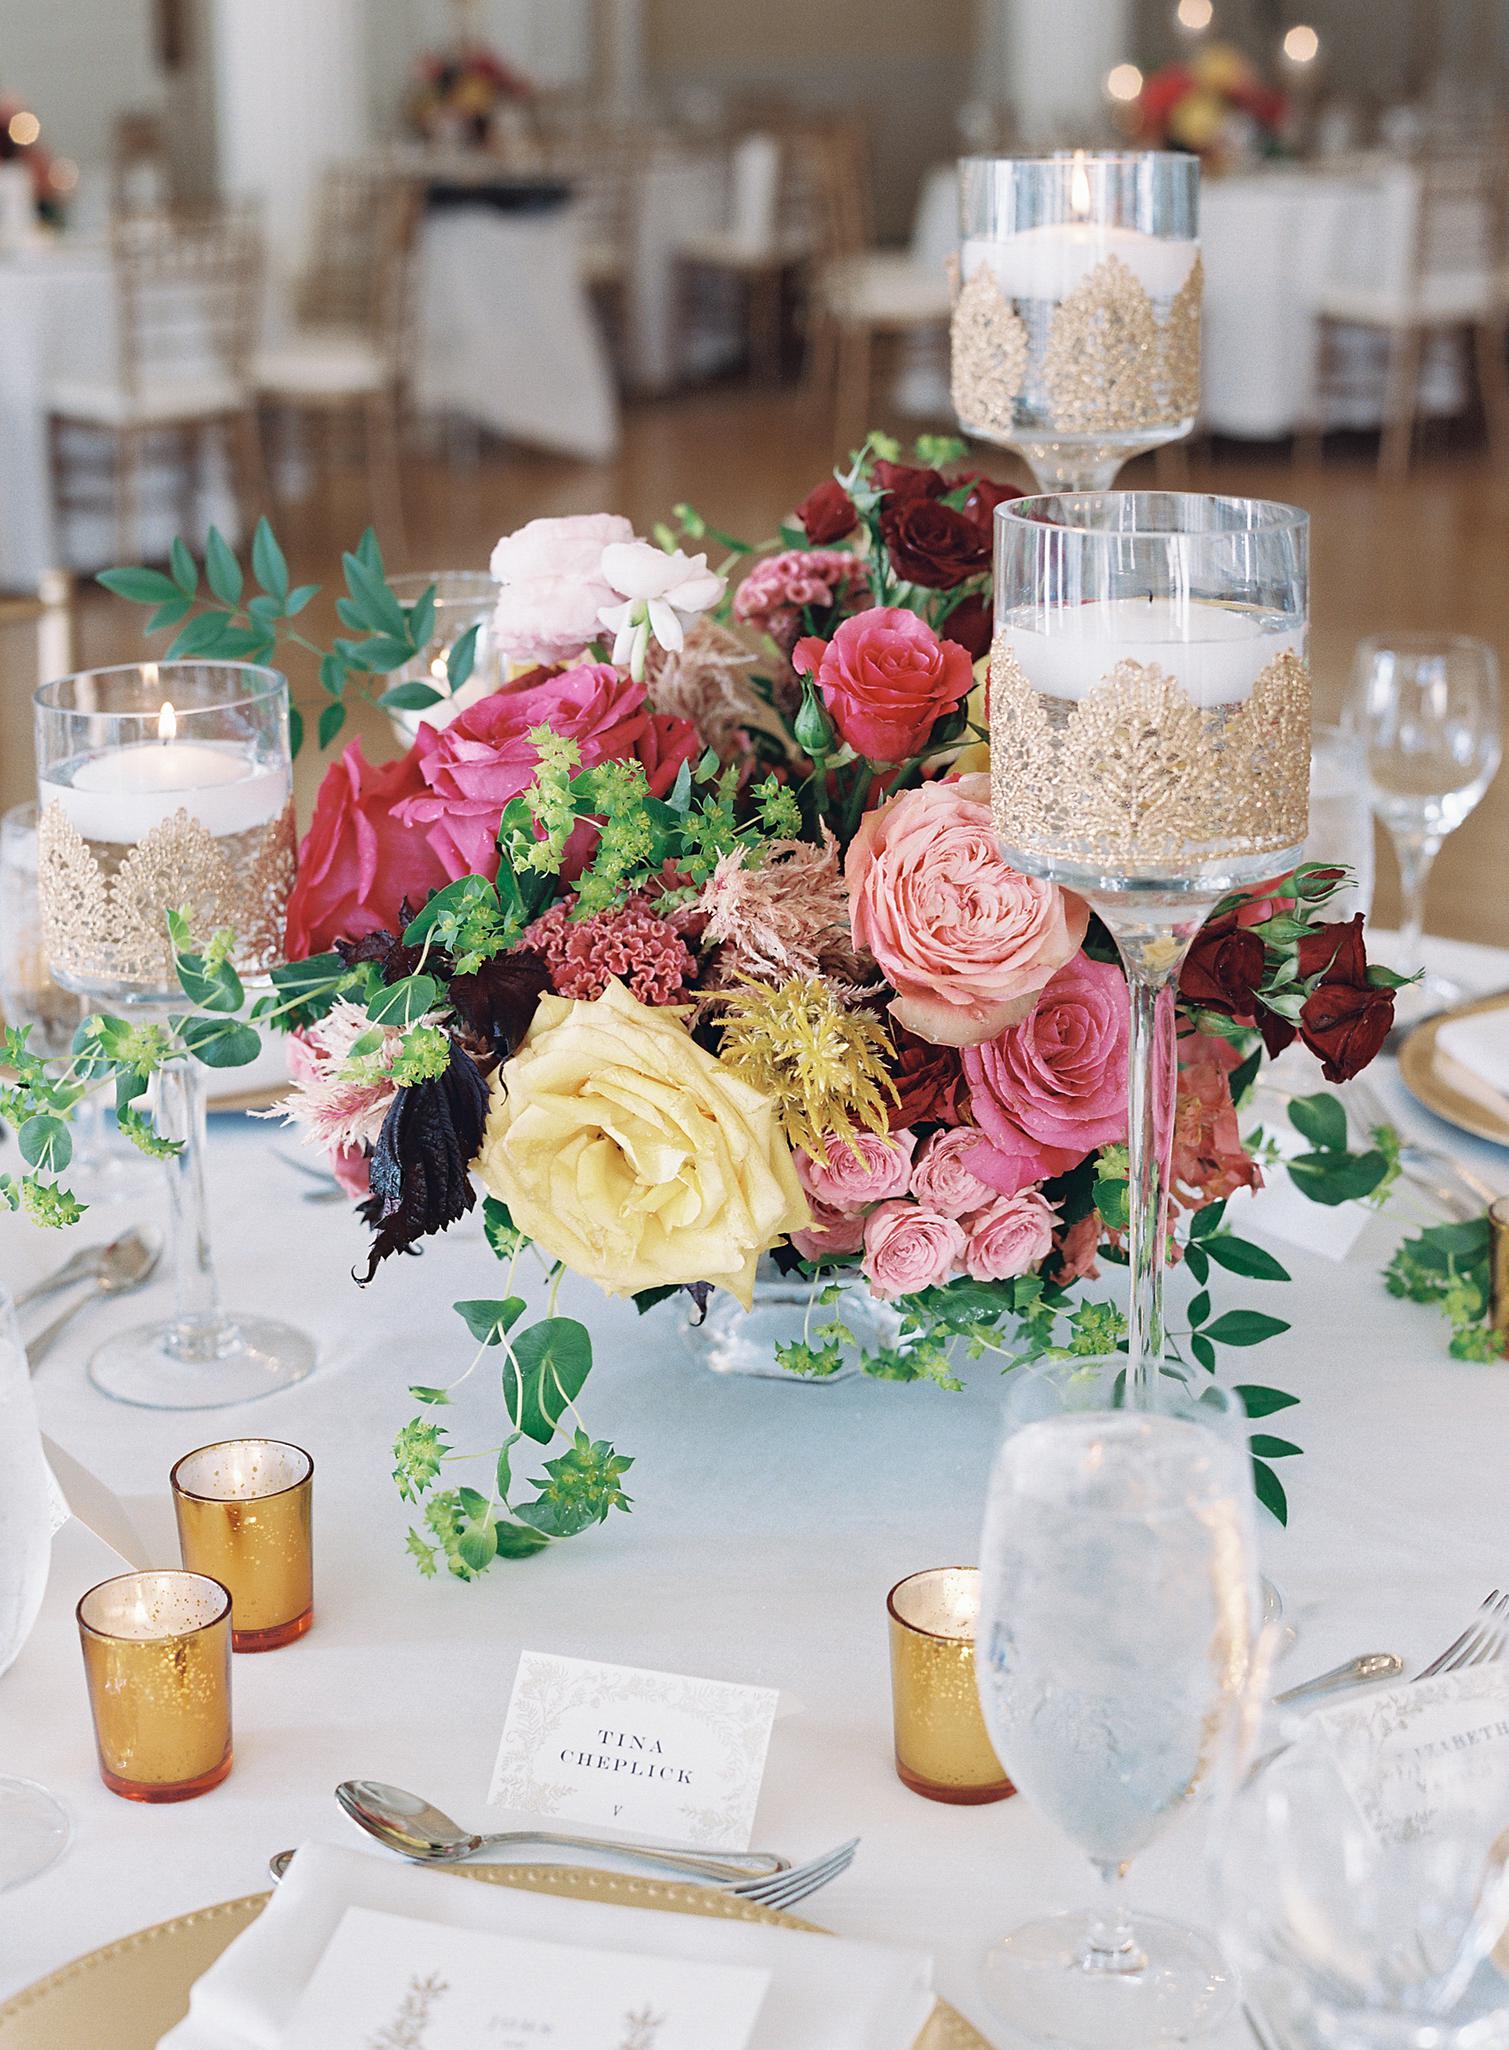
(1215, 652)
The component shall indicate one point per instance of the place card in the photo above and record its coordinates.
(634, 1753)
(387, 1982)
(1406, 1753)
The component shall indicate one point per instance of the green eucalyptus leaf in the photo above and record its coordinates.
(200, 636)
(379, 609)
(462, 658)
(1275, 1448)
(1245, 1327)
(332, 719)
(295, 729)
(169, 613)
(1240, 1256)
(1270, 1491)
(421, 617)
(142, 586)
(221, 568)
(269, 565)
(410, 697)
(185, 570)
(298, 598)
(1259, 1401)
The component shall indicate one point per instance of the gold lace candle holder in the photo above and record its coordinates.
(1076, 324)
(245, 1518)
(942, 1749)
(157, 1658)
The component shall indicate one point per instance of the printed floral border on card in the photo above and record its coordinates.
(634, 1751)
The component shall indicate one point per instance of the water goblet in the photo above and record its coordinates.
(1150, 749)
(1119, 1609)
(1425, 709)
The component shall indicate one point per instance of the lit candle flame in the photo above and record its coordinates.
(1079, 187)
(167, 723)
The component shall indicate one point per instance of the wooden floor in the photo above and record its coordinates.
(1432, 552)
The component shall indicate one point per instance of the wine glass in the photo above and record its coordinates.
(104, 1168)
(33, 1828)
(168, 787)
(1341, 818)
(1425, 708)
(1150, 749)
(1118, 1613)
(1075, 337)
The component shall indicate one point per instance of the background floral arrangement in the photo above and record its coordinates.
(1217, 105)
(693, 947)
(459, 93)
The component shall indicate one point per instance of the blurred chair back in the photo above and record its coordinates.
(361, 255)
(141, 175)
(188, 300)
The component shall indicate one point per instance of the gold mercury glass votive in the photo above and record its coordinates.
(942, 1749)
(245, 1513)
(157, 1657)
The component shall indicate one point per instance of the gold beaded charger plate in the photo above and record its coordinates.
(127, 1995)
(1438, 1082)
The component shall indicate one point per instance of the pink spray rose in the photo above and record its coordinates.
(471, 768)
(885, 678)
(1011, 1236)
(865, 1169)
(359, 862)
(830, 1232)
(964, 939)
(1052, 1089)
(908, 1248)
(552, 585)
(942, 1178)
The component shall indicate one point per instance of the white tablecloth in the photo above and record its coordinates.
(769, 1521)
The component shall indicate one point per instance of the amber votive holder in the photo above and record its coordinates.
(245, 1517)
(157, 1658)
(942, 1747)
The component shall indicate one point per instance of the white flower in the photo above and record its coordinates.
(661, 594)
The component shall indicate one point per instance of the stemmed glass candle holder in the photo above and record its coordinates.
(169, 788)
(464, 598)
(1076, 330)
(1150, 749)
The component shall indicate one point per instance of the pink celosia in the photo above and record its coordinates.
(788, 916)
(632, 943)
(776, 590)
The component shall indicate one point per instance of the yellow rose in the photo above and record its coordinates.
(626, 1151)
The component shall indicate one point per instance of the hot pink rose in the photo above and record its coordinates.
(865, 1169)
(908, 1248)
(1052, 1089)
(1011, 1236)
(471, 768)
(942, 1178)
(667, 742)
(963, 938)
(358, 861)
(885, 678)
(552, 585)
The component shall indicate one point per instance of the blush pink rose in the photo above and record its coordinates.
(942, 1178)
(359, 861)
(552, 586)
(865, 1169)
(908, 1248)
(471, 768)
(1052, 1089)
(1011, 1236)
(963, 938)
(885, 678)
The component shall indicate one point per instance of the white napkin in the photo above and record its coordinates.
(1473, 1055)
(825, 1994)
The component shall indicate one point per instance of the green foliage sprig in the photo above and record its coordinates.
(217, 621)
(1449, 1265)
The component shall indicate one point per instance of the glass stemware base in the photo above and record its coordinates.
(33, 1831)
(237, 1359)
(1168, 1985)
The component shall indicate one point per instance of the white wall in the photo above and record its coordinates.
(78, 64)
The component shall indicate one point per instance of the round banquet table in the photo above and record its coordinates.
(769, 1521)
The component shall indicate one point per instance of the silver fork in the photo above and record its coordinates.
(770, 1890)
(1481, 1643)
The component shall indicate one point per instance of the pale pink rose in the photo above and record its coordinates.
(1052, 1089)
(1012, 1235)
(908, 1248)
(865, 1169)
(964, 939)
(552, 585)
(831, 1232)
(942, 1179)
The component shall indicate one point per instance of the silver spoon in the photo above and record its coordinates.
(80, 1266)
(126, 1263)
(416, 1829)
(1366, 1670)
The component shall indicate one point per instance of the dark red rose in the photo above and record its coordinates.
(931, 544)
(929, 1080)
(905, 480)
(1277, 1032)
(1344, 1020)
(1222, 970)
(970, 625)
(985, 495)
(827, 514)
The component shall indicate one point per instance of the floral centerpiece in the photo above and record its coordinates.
(691, 949)
(460, 95)
(1216, 105)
